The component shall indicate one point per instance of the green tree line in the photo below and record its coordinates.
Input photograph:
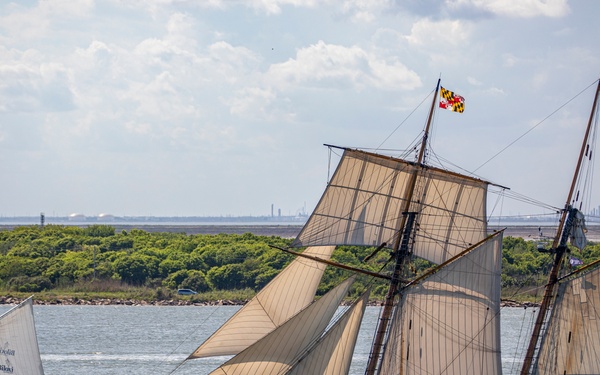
(34, 259)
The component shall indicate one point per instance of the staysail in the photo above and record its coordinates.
(289, 292)
(449, 323)
(20, 353)
(279, 350)
(332, 354)
(572, 339)
(363, 203)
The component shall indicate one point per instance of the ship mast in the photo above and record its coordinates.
(560, 247)
(401, 249)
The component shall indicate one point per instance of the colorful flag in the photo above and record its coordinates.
(451, 101)
(575, 262)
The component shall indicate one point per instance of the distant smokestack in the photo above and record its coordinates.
(279, 212)
(272, 209)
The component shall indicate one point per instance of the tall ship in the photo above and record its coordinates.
(440, 319)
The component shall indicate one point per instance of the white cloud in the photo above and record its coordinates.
(66, 8)
(29, 85)
(333, 66)
(516, 8)
(474, 81)
(445, 34)
(365, 10)
(24, 23)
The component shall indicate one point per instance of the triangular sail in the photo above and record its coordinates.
(289, 292)
(450, 322)
(19, 353)
(572, 338)
(332, 354)
(279, 350)
(364, 200)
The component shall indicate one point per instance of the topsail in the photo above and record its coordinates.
(362, 206)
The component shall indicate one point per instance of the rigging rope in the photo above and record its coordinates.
(200, 325)
(535, 126)
(405, 119)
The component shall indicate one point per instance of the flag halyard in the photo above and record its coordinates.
(449, 100)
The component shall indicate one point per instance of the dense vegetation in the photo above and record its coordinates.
(97, 259)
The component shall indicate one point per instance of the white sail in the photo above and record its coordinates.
(450, 322)
(365, 198)
(289, 292)
(572, 338)
(279, 350)
(332, 354)
(19, 352)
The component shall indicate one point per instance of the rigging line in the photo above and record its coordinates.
(184, 341)
(525, 199)
(536, 125)
(498, 203)
(406, 119)
(509, 193)
(328, 166)
(518, 346)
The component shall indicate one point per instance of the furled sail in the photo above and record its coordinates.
(289, 292)
(449, 323)
(365, 199)
(279, 350)
(572, 338)
(578, 231)
(20, 353)
(332, 354)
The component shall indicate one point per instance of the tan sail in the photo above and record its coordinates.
(572, 339)
(289, 292)
(20, 353)
(332, 355)
(280, 349)
(450, 322)
(363, 202)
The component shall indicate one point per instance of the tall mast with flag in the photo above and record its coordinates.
(444, 321)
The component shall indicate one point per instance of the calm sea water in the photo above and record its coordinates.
(94, 340)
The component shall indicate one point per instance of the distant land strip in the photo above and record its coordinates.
(528, 232)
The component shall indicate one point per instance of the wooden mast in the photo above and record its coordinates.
(401, 249)
(560, 246)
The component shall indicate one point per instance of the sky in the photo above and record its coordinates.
(223, 107)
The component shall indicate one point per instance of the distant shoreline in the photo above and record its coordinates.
(291, 230)
(180, 302)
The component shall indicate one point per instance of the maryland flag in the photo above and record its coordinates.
(451, 101)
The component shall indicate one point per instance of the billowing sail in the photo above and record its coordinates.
(20, 353)
(365, 199)
(332, 355)
(572, 339)
(450, 322)
(279, 350)
(289, 292)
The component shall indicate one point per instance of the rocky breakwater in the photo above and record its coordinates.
(8, 300)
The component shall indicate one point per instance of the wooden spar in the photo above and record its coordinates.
(560, 245)
(334, 264)
(579, 270)
(401, 244)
